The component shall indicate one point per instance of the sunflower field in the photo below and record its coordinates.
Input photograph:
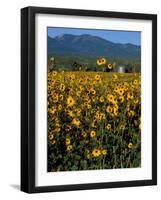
(94, 120)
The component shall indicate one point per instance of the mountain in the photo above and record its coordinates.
(84, 45)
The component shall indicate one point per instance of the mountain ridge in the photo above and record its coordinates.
(86, 44)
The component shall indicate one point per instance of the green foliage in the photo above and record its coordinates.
(88, 63)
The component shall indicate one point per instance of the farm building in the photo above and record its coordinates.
(121, 69)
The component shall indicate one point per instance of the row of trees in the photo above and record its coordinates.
(91, 64)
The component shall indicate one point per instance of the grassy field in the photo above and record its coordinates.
(94, 120)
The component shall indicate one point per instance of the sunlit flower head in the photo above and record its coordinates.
(62, 87)
(121, 99)
(108, 127)
(67, 141)
(102, 99)
(104, 152)
(53, 141)
(130, 145)
(84, 134)
(122, 127)
(96, 153)
(70, 101)
(110, 66)
(97, 77)
(109, 109)
(76, 122)
(69, 147)
(136, 82)
(54, 73)
(115, 76)
(101, 61)
(92, 134)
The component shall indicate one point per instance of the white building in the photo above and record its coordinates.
(121, 69)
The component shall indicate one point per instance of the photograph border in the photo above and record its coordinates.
(28, 98)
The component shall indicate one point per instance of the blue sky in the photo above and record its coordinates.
(114, 36)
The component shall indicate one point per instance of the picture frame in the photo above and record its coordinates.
(29, 98)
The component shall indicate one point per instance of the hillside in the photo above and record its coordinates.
(88, 45)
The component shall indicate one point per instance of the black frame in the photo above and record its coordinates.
(28, 98)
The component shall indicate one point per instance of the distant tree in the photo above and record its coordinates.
(75, 66)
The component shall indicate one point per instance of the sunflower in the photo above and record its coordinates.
(116, 89)
(130, 96)
(62, 87)
(115, 111)
(130, 145)
(93, 91)
(122, 127)
(131, 113)
(121, 98)
(114, 101)
(94, 124)
(72, 76)
(92, 134)
(136, 82)
(67, 141)
(102, 116)
(55, 98)
(70, 101)
(101, 61)
(78, 93)
(51, 137)
(57, 130)
(108, 127)
(120, 91)
(115, 76)
(69, 147)
(97, 77)
(136, 101)
(104, 152)
(78, 111)
(54, 73)
(116, 106)
(76, 122)
(109, 66)
(53, 141)
(109, 109)
(61, 97)
(89, 106)
(52, 110)
(96, 153)
(81, 88)
(102, 99)
(60, 107)
(97, 115)
(70, 113)
(84, 134)
(110, 97)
